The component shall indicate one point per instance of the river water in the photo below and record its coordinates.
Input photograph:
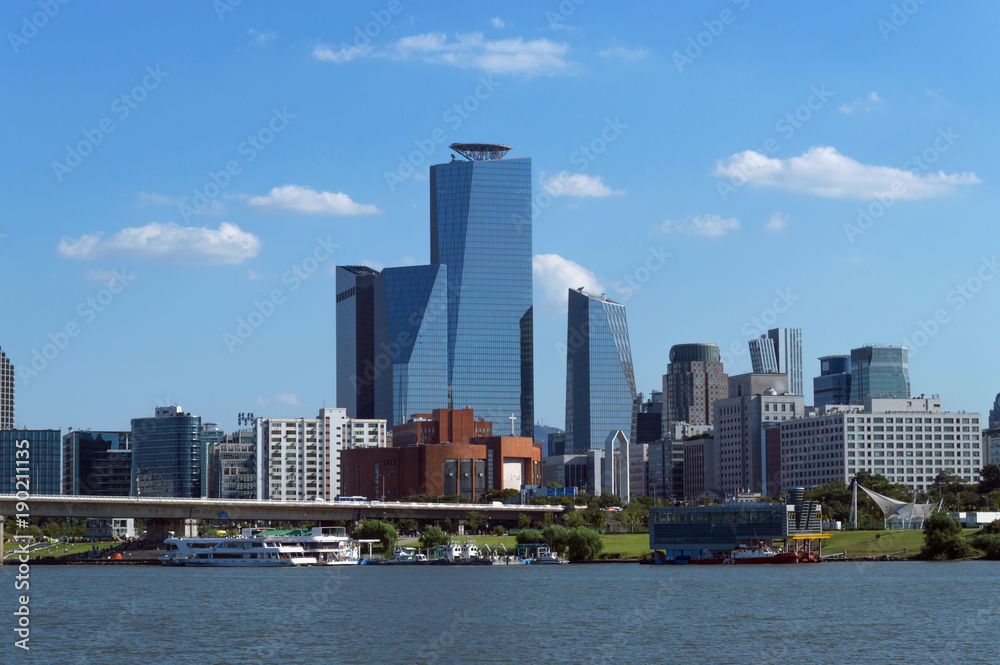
(844, 613)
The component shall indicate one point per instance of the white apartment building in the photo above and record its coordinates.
(302, 455)
(909, 441)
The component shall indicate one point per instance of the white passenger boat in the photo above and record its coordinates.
(179, 549)
(329, 545)
(250, 552)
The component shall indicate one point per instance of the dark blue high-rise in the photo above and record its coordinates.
(481, 230)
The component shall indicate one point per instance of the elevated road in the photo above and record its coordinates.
(227, 509)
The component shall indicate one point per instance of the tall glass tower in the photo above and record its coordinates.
(600, 383)
(879, 371)
(780, 350)
(168, 458)
(356, 340)
(481, 230)
(6, 392)
(411, 342)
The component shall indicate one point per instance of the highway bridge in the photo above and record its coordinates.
(184, 514)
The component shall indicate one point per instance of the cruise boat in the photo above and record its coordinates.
(250, 552)
(329, 546)
(179, 549)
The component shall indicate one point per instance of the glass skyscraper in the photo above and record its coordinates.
(6, 392)
(600, 382)
(168, 458)
(42, 466)
(833, 385)
(411, 342)
(97, 463)
(880, 372)
(780, 350)
(356, 340)
(481, 230)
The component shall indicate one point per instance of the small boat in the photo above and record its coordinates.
(407, 556)
(547, 556)
(760, 554)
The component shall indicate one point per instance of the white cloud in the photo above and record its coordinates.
(565, 183)
(259, 38)
(624, 53)
(345, 53)
(374, 265)
(253, 275)
(288, 398)
(777, 222)
(866, 103)
(168, 243)
(555, 276)
(498, 56)
(707, 226)
(935, 93)
(294, 198)
(152, 198)
(497, 22)
(825, 172)
(262, 401)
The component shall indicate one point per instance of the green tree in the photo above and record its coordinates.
(408, 524)
(989, 478)
(476, 521)
(556, 537)
(523, 521)
(943, 538)
(596, 517)
(433, 536)
(529, 536)
(583, 544)
(573, 519)
(377, 530)
(608, 500)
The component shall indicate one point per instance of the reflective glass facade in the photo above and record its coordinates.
(600, 382)
(880, 372)
(42, 464)
(6, 392)
(356, 340)
(788, 352)
(411, 342)
(833, 385)
(762, 357)
(168, 458)
(97, 463)
(481, 230)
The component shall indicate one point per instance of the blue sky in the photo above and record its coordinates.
(174, 168)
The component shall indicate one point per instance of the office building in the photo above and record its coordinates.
(649, 420)
(466, 470)
(701, 473)
(441, 426)
(600, 383)
(909, 441)
(6, 392)
(780, 351)
(694, 380)
(754, 401)
(168, 459)
(481, 230)
(411, 342)
(995, 413)
(665, 470)
(235, 467)
(556, 444)
(356, 340)
(42, 468)
(880, 372)
(638, 469)
(97, 463)
(833, 385)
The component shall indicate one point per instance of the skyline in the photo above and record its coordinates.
(188, 256)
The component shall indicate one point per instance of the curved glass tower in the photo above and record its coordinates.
(481, 230)
(600, 382)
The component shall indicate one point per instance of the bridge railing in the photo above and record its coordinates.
(307, 503)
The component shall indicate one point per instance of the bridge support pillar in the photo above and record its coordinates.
(461, 527)
(157, 530)
(189, 528)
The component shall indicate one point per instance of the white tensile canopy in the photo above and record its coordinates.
(893, 509)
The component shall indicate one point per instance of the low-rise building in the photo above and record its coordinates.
(909, 441)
